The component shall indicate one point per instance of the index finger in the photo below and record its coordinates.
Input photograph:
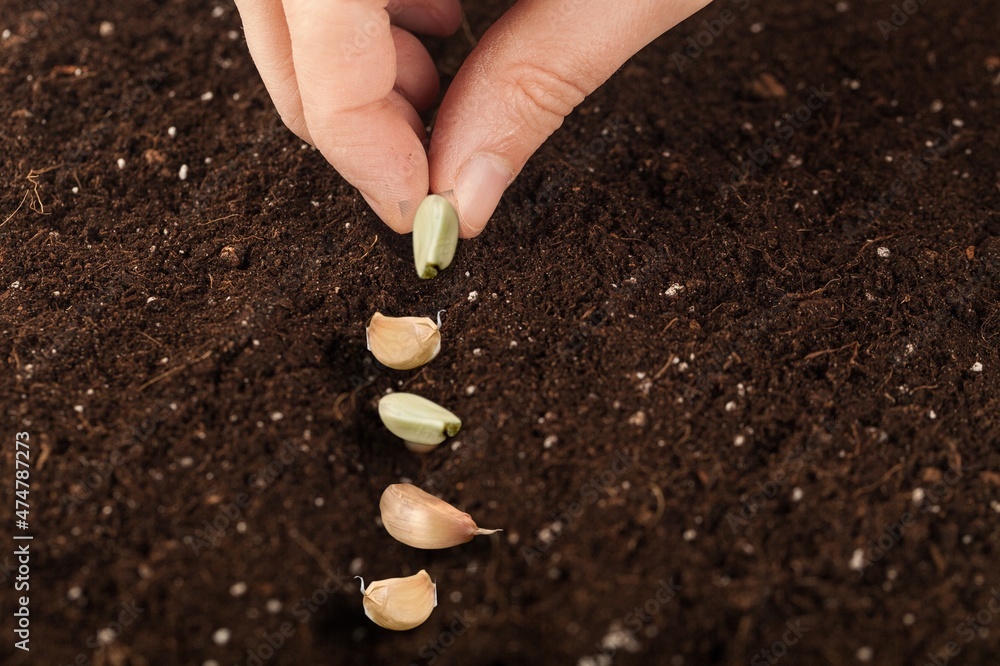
(345, 65)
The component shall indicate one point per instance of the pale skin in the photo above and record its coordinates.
(350, 78)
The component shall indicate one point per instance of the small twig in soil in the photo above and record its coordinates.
(769, 260)
(36, 205)
(173, 371)
(44, 455)
(336, 404)
(314, 552)
(885, 477)
(816, 354)
(218, 219)
(661, 503)
(467, 29)
(414, 377)
(23, 199)
(368, 251)
(147, 335)
(800, 295)
(32, 178)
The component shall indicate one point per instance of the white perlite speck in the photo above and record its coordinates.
(857, 562)
(620, 638)
(674, 289)
(864, 654)
(797, 494)
(473, 295)
(121, 163)
(883, 252)
(221, 636)
(238, 589)
(977, 367)
(207, 96)
(172, 132)
(183, 172)
(107, 29)
(638, 419)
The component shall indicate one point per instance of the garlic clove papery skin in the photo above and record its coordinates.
(400, 603)
(403, 343)
(417, 420)
(417, 518)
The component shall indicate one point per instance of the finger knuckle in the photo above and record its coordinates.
(543, 96)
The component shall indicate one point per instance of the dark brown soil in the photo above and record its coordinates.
(724, 414)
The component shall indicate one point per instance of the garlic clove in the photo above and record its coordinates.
(403, 343)
(435, 235)
(400, 603)
(417, 421)
(419, 519)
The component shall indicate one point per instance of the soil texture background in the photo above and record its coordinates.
(727, 356)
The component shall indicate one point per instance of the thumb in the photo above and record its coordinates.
(531, 69)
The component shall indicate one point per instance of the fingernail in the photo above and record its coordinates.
(481, 182)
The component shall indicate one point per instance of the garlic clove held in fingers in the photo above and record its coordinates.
(435, 236)
(420, 423)
(421, 520)
(403, 343)
(400, 603)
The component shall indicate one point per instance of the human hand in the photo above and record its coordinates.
(348, 77)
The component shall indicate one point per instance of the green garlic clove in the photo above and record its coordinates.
(420, 423)
(435, 236)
